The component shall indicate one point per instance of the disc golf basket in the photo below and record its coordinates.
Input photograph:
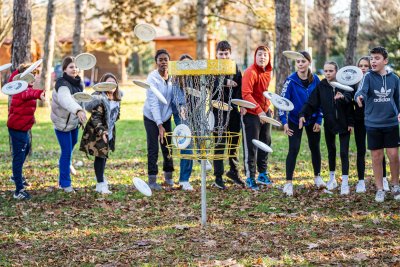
(202, 82)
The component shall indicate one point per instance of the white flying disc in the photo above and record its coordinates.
(181, 136)
(82, 97)
(268, 95)
(14, 87)
(145, 32)
(31, 67)
(141, 84)
(349, 75)
(261, 145)
(142, 186)
(85, 61)
(293, 55)
(159, 95)
(220, 105)
(211, 121)
(270, 121)
(282, 103)
(29, 78)
(193, 92)
(342, 86)
(243, 103)
(104, 86)
(5, 66)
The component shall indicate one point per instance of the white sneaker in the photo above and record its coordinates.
(288, 189)
(104, 179)
(186, 186)
(360, 188)
(332, 184)
(344, 189)
(208, 166)
(396, 192)
(72, 170)
(386, 184)
(319, 183)
(102, 188)
(68, 189)
(380, 196)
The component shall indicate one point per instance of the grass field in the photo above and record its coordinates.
(127, 229)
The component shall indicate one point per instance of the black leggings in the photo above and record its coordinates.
(360, 136)
(294, 147)
(344, 139)
(99, 166)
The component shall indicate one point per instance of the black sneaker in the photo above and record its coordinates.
(24, 182)
(234, 176)
(219, 183)
(22, 195)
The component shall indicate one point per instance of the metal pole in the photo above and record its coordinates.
(203, 193)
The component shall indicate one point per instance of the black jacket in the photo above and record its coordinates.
(358, 112)
(236, 91)
(338, 114)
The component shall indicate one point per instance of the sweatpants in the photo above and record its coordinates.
(360, 135)
(344, 139)
(253, 129)
(152, 147)
(234, 127)
(67, 141)
(20, 150)
(294, 148)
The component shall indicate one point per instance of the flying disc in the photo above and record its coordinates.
(14, 87)
(270, 121)
(159, 95)
(145, 32)
(5, 66)
(142, 186)
(220, 105)
(181, 136)
(268, 95)
(85, 61)
(292, 55)
(349, 75)
(243, 103)
(29, 78)
(342, 86)
(211, 121)
(104, 86)
(141, 84)
(261, 145)
(82, 97)
(193, 92)
(31, 68)
(282, 103)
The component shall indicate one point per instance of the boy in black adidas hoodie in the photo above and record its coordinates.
(338, 119)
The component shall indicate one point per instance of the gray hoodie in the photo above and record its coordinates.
(381, 99)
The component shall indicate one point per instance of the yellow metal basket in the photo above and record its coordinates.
(212, 147)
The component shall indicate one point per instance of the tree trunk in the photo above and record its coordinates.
(122, 62)
(322, 36)
(283, 42)
(48, 52)
(201, 49)
(21, 42)
(79, 29)
(5, 25)
(352, 34)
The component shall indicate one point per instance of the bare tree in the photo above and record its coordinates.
(48, 52)
(201, 25)
(283, 41)
(5, 24)
(21, 42)
(352, 34)
(79, 29)
(320, 27)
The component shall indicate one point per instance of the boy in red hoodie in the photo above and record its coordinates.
(255, 81)
(20, 121)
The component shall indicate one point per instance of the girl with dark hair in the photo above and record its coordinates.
(99, 135)
(297, 88)
(157, 120)
(338, 119)
(360, 135)
(66, 114)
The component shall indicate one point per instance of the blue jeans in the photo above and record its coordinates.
(186, 165)
(67, 141)
(20, 147)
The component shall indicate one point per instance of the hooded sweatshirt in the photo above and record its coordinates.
(255, 82)
(381, 99)
(298, 94)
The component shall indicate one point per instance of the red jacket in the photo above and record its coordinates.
(256, 81)
(23, 105)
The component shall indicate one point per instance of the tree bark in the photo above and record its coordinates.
(5, 25)
(201, 49)
(48, 52)
(21, 42)
(79, 29)
(322, 31)
(283, 42)
(352, 34)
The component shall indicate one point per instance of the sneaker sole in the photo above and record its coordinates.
(218, 186)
